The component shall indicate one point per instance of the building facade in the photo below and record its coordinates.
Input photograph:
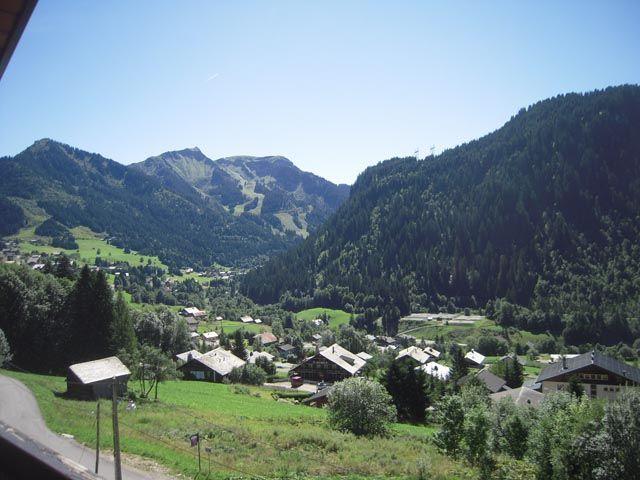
(600, 376)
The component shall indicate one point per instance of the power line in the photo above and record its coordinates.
(209, 423)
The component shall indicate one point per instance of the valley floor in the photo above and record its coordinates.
(250, 434)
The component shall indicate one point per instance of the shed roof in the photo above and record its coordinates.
(99, 370)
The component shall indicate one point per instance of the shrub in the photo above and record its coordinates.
(5, 352)
(249, 374)
(267, 365)
(360, 406)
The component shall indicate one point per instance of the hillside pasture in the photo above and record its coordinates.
(336, 317)
(250, 434)
(89, 243)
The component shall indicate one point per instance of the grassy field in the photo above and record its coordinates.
(336, 317)
(250, 434)
(229, 327)
(89, 244)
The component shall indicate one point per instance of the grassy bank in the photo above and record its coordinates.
(336, 317)
(250, 434)
(91, 245)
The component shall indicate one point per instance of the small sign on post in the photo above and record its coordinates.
(195, 442)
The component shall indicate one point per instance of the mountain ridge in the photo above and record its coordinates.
(147, 213)
(270, 187)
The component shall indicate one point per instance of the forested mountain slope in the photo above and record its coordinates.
(544, 212)
(175, 222)
(271, 188)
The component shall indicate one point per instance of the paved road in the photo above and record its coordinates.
(19, 409)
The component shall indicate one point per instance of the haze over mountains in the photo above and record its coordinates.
(182, 206)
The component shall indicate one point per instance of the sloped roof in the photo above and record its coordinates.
(98, 370)
(220, 361)
(246, 319)
(436, 370)
(266, 337)
(591, 358)
(343, 358)
(253, 356)
(15, 15)
(523, 396)
(210, 335)
(493, 382)
(413, 352)
(475, 357)
(184, 356)
(325, 392)
(432, 351)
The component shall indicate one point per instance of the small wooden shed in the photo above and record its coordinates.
(94, 379)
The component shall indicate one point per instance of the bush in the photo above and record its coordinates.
(491, 346)
(361, 406)
(249, 374)
(267, 365)
(5, 352)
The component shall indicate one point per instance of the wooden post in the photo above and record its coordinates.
(116, 434)
(97, 435)
(199, 469)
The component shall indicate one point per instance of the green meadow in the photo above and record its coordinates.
(250, 433)
(336, 317)
(91, 245)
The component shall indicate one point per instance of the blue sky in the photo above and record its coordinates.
(334, 86)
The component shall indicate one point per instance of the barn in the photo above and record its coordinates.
(94, 379)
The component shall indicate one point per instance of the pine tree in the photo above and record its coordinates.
(239, 350)
(64, 269)
(123, 335)
(459, 366)
(92, 318)
(407, 387)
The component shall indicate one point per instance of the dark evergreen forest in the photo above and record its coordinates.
(538, 222)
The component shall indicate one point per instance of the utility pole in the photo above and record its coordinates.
(116, 434)
(97, 435)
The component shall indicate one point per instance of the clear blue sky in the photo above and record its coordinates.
(334, 86)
